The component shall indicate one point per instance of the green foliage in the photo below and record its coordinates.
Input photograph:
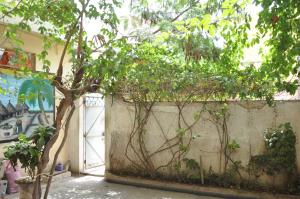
(24, 152)
(183, 148)
(195, 57)
(191, 164)
(196, 115)
(227, 179)
(189, 42)
(41, 135)
(198, 43)
(27, 151)
(232, 146)
(192, 171)
(280, 151)
(181, 132)
(219, 114)
(100, 52)
(279, 24)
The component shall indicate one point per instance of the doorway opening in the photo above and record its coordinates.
(93, 135)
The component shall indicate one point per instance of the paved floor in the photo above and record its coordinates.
(91, 187)
(97, 171)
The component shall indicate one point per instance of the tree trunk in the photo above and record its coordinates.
(67, 124)
(44, 159)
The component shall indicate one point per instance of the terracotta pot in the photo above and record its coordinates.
(25, 187)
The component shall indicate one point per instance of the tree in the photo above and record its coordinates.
(279, 25)
(92, 57)
(205, 38)
(276, 31)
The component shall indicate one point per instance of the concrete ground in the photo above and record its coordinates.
(91, 187)
(97, 171)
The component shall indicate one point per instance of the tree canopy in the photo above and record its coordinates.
(279, 23)
(178, 38)
(208, 39)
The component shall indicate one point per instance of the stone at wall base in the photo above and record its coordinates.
(194, 189)
(58, 175)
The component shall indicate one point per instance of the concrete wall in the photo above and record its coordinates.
(33, 43)
(246, 124)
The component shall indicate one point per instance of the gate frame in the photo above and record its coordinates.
(74, 151)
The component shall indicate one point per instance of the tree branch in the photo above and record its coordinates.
(11, 11)
(179, 15)
(59, 72)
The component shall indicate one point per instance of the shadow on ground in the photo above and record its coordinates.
(90, 187)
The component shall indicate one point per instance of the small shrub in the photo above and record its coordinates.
(24, 152)
(280, 152)
(27, 150)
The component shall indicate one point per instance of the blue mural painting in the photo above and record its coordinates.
(25, 103)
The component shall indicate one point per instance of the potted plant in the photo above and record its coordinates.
(27, 151)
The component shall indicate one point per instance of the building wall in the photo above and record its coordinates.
(246, 124)
(74, 142)
(33, 43)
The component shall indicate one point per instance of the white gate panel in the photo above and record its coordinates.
(93, 131)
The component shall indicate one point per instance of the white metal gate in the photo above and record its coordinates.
(93, 132)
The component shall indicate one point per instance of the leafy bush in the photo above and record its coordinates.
(27, 151)
(41, 136)
(280, 151)
(24, 152)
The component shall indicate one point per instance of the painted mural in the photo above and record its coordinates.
(25, 103)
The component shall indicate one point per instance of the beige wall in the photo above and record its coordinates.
(33, 43)
(246, 124)
(74, 142)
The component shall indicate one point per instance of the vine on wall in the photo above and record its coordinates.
(178, 146)
(231, 172)
(142, 159)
